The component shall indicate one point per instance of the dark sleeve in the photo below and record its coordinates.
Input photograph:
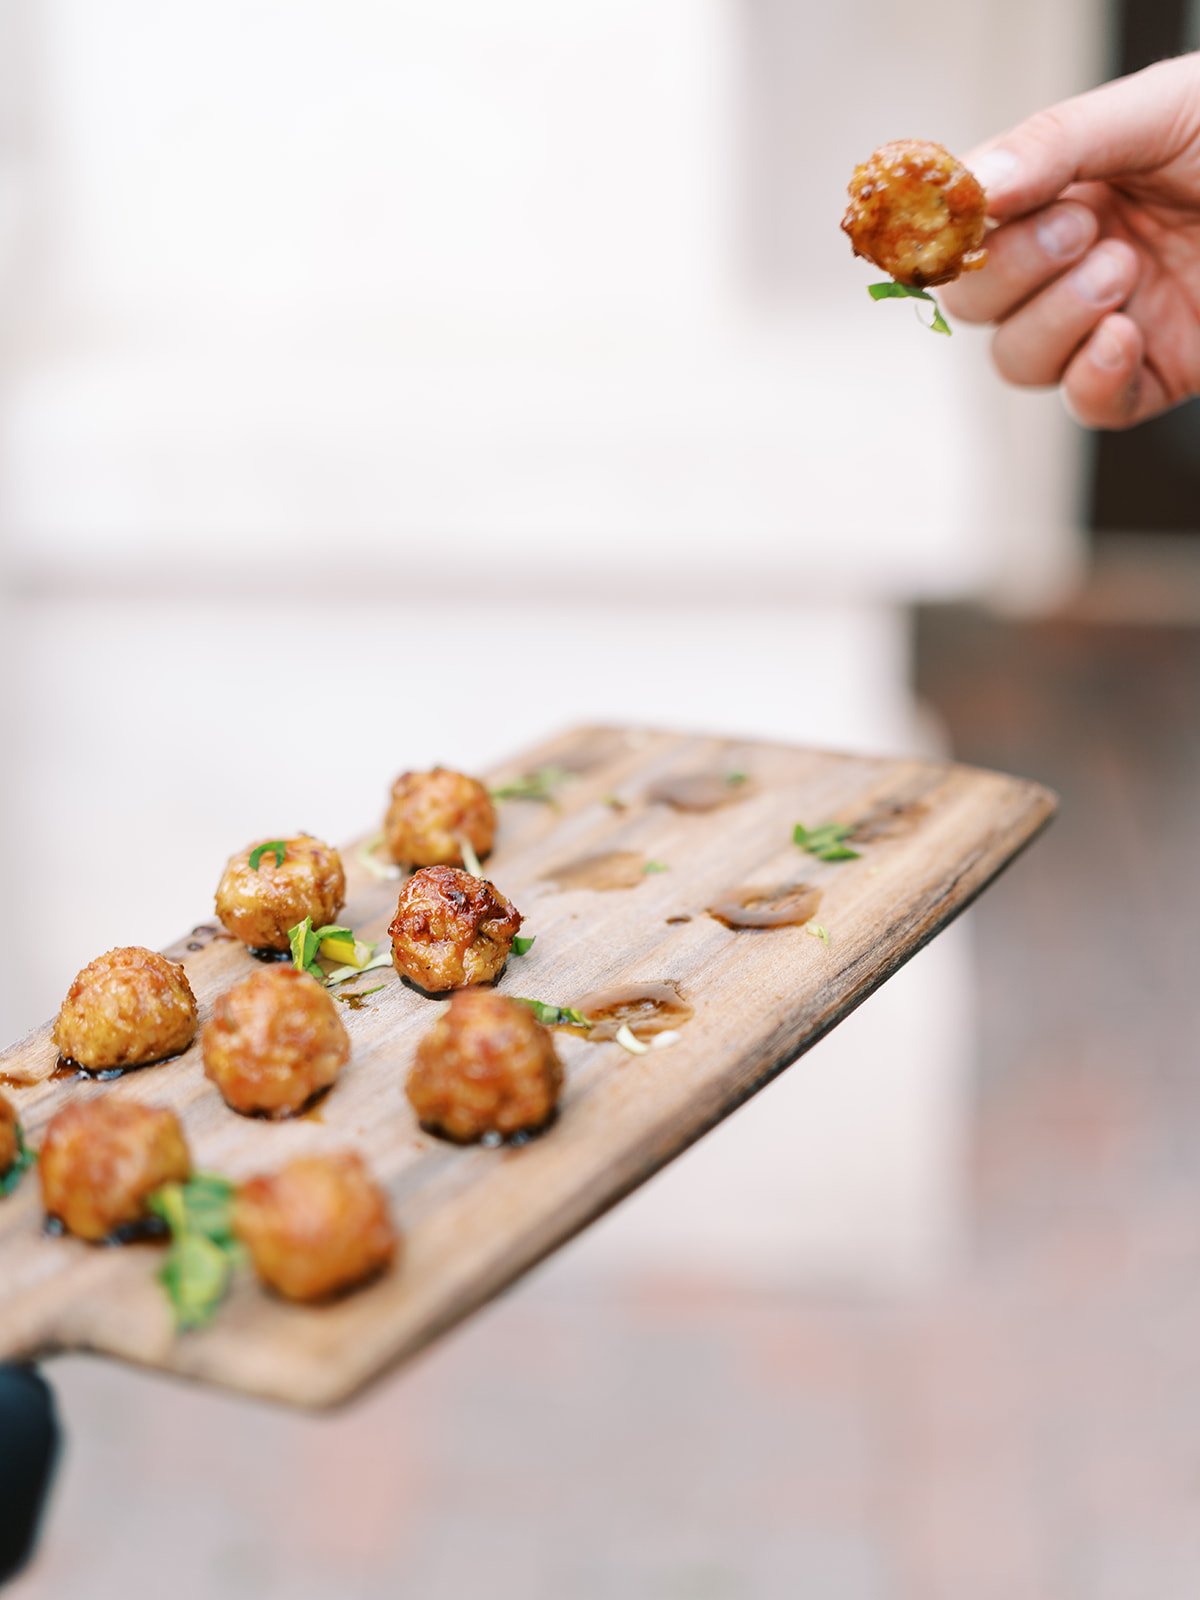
(29, 1443)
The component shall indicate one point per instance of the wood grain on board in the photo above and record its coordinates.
(932, 837)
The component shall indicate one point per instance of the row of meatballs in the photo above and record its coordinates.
(275, 1041)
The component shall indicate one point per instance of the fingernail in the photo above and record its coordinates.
(995, 170)
(1107, 350)
(1103, 278)
(1063, 233)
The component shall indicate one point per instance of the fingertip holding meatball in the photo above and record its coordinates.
(917, 212)
(10, 1131)
(273, 1042)
(451, 929)
(317, 1228)
(487, 1066)
(431, 813)
(259, 904)
(127, 1008)
(101, 1160)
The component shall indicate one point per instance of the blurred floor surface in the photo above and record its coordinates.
(1031, 1429)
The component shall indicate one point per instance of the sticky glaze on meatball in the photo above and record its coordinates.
(101, 1159)
(486, 1066)
(432, 812)
(451, 929)
(916, 212)
(273, 1042)
(9, 1124)
(127, 1008)
(316, 1228)
(259, 905)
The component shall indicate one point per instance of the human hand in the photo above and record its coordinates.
(1093, 274)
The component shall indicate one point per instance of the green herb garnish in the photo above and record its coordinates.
(554, 1016)
(523, 944)
(305, 941)
(655, 866)
(818, 931)
(203, 1250)
(275, 847)
(22, 1161)
(537, 785)
(827, 843)
(734, 778)
(906, 291)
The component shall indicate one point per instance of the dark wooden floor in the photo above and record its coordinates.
(1029, 1431)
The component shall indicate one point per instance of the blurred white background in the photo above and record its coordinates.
(331, 333)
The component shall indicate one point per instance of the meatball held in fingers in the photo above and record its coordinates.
(273, 1042)
(101, 1160)
(451, 929)
(487, 1066)
(918, 213)
(317, 1228)
(128, 1008)
(271, 886)
(432, 813)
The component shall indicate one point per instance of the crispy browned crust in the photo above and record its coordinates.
(274, 1041)
(259, 906)
(100, 1160)
(917, 212)
(432, 812)
(486, 1066)
(126, 1008)
(8, 1134)
(451, 929)
(317, 1227)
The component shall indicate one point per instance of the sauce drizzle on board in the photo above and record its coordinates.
(787, 905)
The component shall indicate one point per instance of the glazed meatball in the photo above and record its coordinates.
(451, 929)
(259, 905)
(316, 1228)
(9, 1125)
(273, 1042)
(101, 1159)
(916, 212)
(431, 812)
(486, 1066)
(125, 1009)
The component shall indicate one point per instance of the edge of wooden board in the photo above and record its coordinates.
(1023, 810)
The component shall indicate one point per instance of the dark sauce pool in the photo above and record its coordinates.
(610, 869)
(787, 905)
(700, 791)
(644, 1008)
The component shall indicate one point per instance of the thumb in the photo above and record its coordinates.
(1131, 126)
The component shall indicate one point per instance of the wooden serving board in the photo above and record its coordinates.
(474, 1219)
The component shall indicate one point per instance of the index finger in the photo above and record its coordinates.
(1134, 125)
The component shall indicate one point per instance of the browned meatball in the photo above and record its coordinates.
(9, 1126)
(432, 812)
(451, 929)
(101, 1159)
(125, 1009)
(259, 905)
(487, 1066)
(917, 212)
(317, 1227)
(273, 1041)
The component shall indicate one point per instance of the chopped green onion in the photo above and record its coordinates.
(554, 1016)
(655, 866)
(203, 1250)
(276, 847)
(365, 854)
(470, 859)
(537, 785)
(819, 931)
(828, 842)
(523, 944)
(626, 1037)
